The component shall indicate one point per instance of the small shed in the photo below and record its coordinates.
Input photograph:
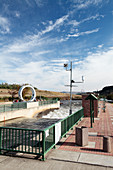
(86, 104)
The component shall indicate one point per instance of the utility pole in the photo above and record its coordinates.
(70, 112)
(71, 84)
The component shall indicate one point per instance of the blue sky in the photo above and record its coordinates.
(38, 36)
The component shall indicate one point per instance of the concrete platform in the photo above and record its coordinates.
(58, 159)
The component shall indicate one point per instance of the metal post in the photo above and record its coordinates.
(71, 82)
(70, 112)
(93, 109)
(54, 137)
(43, 146)
(91, 112)
(4, 108)
(0, 139)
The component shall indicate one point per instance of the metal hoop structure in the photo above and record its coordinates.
(33, 93)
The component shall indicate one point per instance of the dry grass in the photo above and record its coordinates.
(48, 94)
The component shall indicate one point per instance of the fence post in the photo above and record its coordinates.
(4, 108)
(43, 146)
(0, 140)
(12, 107)
(54, 136)
(65, 126)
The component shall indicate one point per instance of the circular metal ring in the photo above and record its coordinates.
(33, 93)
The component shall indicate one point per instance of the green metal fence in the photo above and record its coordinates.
(14, 106)
(21, 140)
(22, 105)
(70, 121)
(47, 102)
(34, 141)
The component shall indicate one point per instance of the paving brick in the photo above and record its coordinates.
(103, 126)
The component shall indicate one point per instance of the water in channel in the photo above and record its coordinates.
(45, 119)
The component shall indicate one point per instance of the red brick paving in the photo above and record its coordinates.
(103, 127)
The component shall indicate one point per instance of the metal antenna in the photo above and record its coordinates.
(71, 84)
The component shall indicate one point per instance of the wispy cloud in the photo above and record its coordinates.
(83, 33)
(28, 43)
(82, 4)
(39, 3)
(76, 23)
(4, 25)
(17, 14)
(57, 24)
(100, 46)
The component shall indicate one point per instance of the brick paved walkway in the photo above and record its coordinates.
(103, 126)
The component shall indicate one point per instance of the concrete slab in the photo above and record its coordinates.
(96, 159)
(92, 133)
(91, 145)
(2, 158)
(97, 118)
(111, 119)
(64, 155)
(28, 164)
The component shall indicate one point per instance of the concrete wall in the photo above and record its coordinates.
(32, 104)
(4, 103)
(86, 106)
(29, 112)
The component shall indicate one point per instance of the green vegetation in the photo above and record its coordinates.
(9, 92)
(9, 86)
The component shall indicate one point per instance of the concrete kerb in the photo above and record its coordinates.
(82, 158)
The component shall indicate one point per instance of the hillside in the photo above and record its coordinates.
(106, 90)
(4, 94)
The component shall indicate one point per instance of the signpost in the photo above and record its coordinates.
(91, 97)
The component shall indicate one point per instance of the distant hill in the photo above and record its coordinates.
(106, 90)
(7, 89)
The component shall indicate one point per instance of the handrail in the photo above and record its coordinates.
(35, 141)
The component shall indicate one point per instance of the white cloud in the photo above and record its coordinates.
(17, 14)
(51, 75)
(40, 53)
(4, 25)
(100, 46)
(40, 3)
(59, 61)
(57, 24)
(83, 4)
(77, 23)
(83, 33)
(97, 69)
(74, 23)
(50, 22)
(27, 43)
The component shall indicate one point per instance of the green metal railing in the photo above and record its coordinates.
(34, 141)
(14, 106)
(21, 140)
(47, 102)
(70, 121)
(22, 105)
